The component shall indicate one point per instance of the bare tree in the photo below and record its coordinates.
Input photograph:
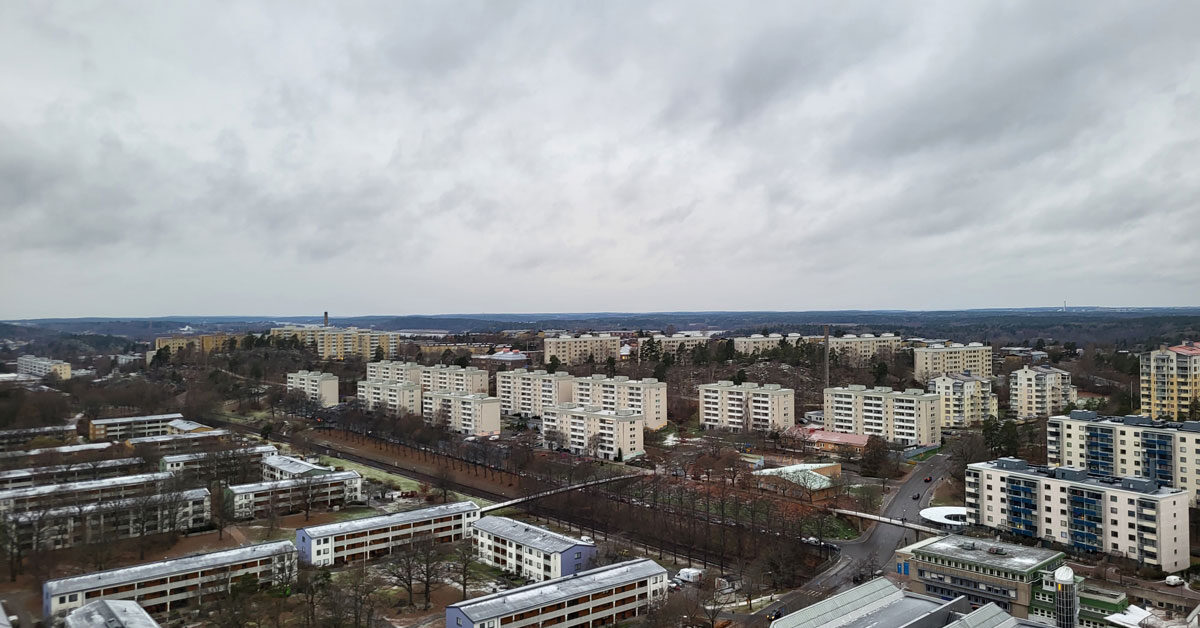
(463, 559)
(360, 588)
(402, 570)
(444, 482)
(430, 570)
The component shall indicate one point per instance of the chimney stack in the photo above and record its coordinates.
(327, 319)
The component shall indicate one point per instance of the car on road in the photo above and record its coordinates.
(777, 613)
(929, 478)
(916, 496)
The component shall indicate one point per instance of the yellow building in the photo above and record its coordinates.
(41, 367)
(974, 359)
(204, 343)
(1170, 380)
(575, 349)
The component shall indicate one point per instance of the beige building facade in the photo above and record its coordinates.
(973, 358)
(434, 377)
(759, 343)
(474, 414)
(911, 417)
(577, 349)
(966, 399)
(1170, 381)
(41, 367)
(675, 343)
(748, 406)
(592, 430)
(397, 397)
(528, 393)
(319, 387)
(858, 349)
(1039, 391)
(648, 397)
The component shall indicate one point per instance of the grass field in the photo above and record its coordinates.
(399, 482)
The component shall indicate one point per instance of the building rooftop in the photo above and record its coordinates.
(109, 506)
(803, 474)
(994, 554)
(527, 534)
(542, 593)
(336, 476)
(624, 414)
(138, 419)
(295, 466)
(98, 464)
(747, 387)
(1187, 348)
(84, 485)
(1143, 486)
(165, 438)
(1042, 368)
(64, 450)
(945, 515)
(877, 603)
(110, 614)
(1132, 420)
(51, 429)
(247, 451)
(161, 568)
(185, 425)
(963, 377)
(370, 523)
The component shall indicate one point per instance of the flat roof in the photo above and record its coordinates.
(257, 449)
(370, 523)
(328, 478)
(97, 464)
(288, 464)
(551, 591)
(186, 425)
(37, 430)
(170, 437)
(84, 485)
(1014, 557)
(1138, 485)
(527, 534)
(1132, 420)
(138, 419)
(110, 614)
(137, 573)
(65, 449)
(879, 602)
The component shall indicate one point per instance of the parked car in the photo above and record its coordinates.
(1174, 581)
(916, 496)
(929, 478)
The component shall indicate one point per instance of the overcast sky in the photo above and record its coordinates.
(164, 158)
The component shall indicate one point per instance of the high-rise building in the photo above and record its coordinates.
(474, 414)
(431, 378)
(748, 406)
(592, 430)
(966, 399)
(1040, 391)
(676, 343)
(759, 343)
(911, 417)
(648, 397)
(577, 349)
(973, 359)
(858, 349)
(1170, 382)
(321, 388)
(397, 397)
(200, 343)
(527, 393)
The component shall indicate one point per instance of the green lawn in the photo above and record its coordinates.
(399, 482)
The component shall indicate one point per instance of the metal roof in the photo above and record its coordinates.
(527, 534)
(110, 614)
(370, 523)
(81, 466)
(65, 449)
(803, 474)
(185, 425)
(864, 605)
(295, 466)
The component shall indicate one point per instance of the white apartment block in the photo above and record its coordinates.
(431, 378)
(605, 596)
(395, 370)
(759, 343)
(288, 468)
(395, 396)
(748, 406)
(675, 343)
(82, 523)
(254, 501)
(1039, 391)
(1170, 380)
(533, 553)
(41, 367)
(1130, 446)
(1130, 517)
(463, 412)
(122, 428)
(614, 433)
(911, 417)
(321, 388)
(528, 393)
(576, 349)
(966, 399)
(858, 349)
(647, 396)
(973, 358)
(177, 584)
(375, 537)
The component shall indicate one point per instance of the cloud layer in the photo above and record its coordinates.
(369, 158)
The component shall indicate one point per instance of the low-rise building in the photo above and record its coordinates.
(257, 500)
(911, 417)
(744, 407)
(19, 438)
(592, 430)
(809, 438)
(86, 491)
(648, 397)
(966, 399)
(811, 482)
(41, 367)
(109, 614)
(577, 349)
(528, 393)
(218, 465)
(395, 396)
(1040, 391)
(374, 537)
(973, 358)
(184, 426)
(122, 428)
(43, 455)
(71, 472)
(288, 467)
(529, 551)
(320, 388)
(83, 523)
(179, 443)
(176, 584)
(465, 413)
(597, 597)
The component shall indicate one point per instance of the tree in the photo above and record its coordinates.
(444, 481)
(553, 365)
(401, 570)
(739, 378)
(379, 354)
(879, 370)
(876, 458)
(429, 568)
(463, 559)
(593, 444)
(610, 366)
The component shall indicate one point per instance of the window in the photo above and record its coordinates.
(458, 621)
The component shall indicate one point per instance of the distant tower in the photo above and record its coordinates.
(1066, 598)
(327, 319)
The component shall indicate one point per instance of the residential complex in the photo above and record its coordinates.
(966, 399)
(857, 350)
(528, 393)
(1130, 446)
(760, 343)
(123, 428)
(675, 343)
(395, 396)
(71, 472)
(1130, 517)
(337, 343)
(176, 584)
(321, 388)
(533, 553)
(748, 406)
(1039, 391)
(576, 349)
(51, 495)
(287, 468)
(374, 537)
(463, 412)
(973, 358)
(1170, 381)
(431, 378)
(592, 430)
(70, 524)
(597, 597)
(176, 443)
(254, 501)
(912, 417)
(203, 343)
(19, 438)
(223, 464)
(41, 367)
(646, 396)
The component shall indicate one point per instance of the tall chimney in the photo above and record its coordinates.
(327, 319)
(1066, 598)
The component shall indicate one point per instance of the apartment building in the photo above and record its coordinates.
(177, 584)
(911, 417)
(676, 343)
(577, 349)
(1129, 446)
(974, 358)
(122, 428)
(19, 438)
(41, 367)
(533, 553)
(179, 443)
(592, 430)
(1130, 517)
(288, 468)
(966, 399)
(395, 396)
(374, 537)
(431, 378)
(761, 343)
(257, 500)
(597, 597)
(748, 406)
(44, 455)
(463, 412)
(222, 465)
(108, 614)
(1170, 381)
(203, 343)
(338, 343)
(321, 388)
(647, 396)
(71, 472)
(528, 393)
(858, 349)
(395, 370)
(1040, 391)
(66, 526)
(52, 495)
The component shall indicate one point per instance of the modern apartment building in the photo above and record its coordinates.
(254, 501)
(41, 367)
(527, 393)
(107, 614)
(966, 399)
(1039, 391)
(431, 378)
(858, 349)
(911, 417)
(463, 412)
(66, 526)
(598, 597)
(71, 472)
(86, 491)
(1170, 381)
(338, 343)
(202, 343)
(533, 553)
(1130, 446)
(592, 430)
(576, 349)
(395, 396)
(1130, 517)
(122, 428)
(760, 343)
(974, 358)
(176, 584)
(321, 388)
(748, 406)
(676, 343)
(375, 537)
(647, 396)
(19, 438)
